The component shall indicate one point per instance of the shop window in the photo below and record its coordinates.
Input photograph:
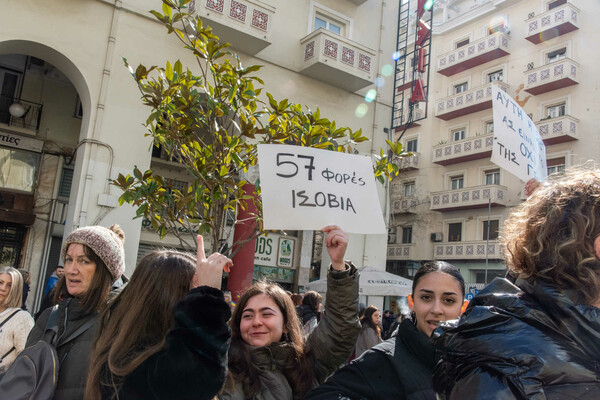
(18, 169)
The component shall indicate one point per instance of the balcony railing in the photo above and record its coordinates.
(337, 60)
(473, 54)
(552, 23)
(403, 251)
(467, 102)
(407, 163)
(246, 24)
(558, 130)
(472, 250)
(404, 205)
(472, 148)
(553, 76)
(29, 122)
(400, 118)
(468, 198)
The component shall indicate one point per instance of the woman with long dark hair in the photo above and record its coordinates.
(269, 358)
(370, 334)
(401, 367)
(165, 336)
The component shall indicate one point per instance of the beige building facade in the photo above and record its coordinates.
(542, 52)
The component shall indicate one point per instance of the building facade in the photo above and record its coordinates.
(450, 201)
(71, 115)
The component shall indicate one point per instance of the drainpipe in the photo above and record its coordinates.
(91, 153)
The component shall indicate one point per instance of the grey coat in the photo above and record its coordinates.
(328, 346)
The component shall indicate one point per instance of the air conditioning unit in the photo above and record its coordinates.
(437, 237)
(391, 235)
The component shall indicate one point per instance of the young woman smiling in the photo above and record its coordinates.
(268, 357)
(401, 367)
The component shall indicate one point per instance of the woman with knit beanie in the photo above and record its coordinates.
(93, 258)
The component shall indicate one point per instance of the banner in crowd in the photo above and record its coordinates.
(518, 146)
(307, 189)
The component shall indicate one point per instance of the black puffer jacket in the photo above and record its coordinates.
(527, 341)
(399, 368)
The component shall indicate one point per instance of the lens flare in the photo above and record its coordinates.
(379, 81)
(371, 95)
(396, 56)
(361, 110)
(387, 70)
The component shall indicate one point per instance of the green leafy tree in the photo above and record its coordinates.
(210, 120)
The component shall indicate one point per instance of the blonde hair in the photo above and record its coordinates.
(551, 236)
(15, 295)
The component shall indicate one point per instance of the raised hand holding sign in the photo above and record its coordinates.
(336, 241)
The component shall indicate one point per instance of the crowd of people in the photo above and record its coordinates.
(168, 332)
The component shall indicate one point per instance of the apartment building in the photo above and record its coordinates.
(71, 117)
(450, 201)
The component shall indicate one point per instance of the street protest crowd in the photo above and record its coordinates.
(167, 332)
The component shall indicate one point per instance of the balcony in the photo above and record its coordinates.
(468, 149)
(337, 60)
(552, 23)
(409, 163)
(400, 118)
(469, 198)
(403, 251)
(473, 250)
(467, 102)
(473, 54)
(28, 122)
(401, 205)
(558, 130)
(243, 23)
(553, 76)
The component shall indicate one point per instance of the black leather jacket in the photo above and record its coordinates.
(523, 341)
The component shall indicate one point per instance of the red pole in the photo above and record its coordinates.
(240, 276)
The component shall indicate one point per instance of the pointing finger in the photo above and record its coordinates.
(200, 251)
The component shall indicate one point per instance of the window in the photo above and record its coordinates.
(461, 87)
(407, 234)
(17, 169)
(495, 76)
(556, 55)
(66, 180)
(489, 127)
(462, 42)
(556, 165)
(456, 182)
(556, 3)
(491, 274)
(321, 21)
(555, 111)
(458, 134)
(494, 227)
(492, 177)
(455, 232)
(411, 145)
(409, 189)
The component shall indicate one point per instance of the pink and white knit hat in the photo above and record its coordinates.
(105, 243)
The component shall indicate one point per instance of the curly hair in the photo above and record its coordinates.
(551, 235)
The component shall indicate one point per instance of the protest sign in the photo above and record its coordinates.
(518, 146)
(307, 189)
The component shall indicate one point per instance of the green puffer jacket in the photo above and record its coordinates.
(328, 346)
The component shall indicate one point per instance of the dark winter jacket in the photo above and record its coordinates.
(74, 356)
(399, 368)
(306, 313)
(327, 347)
(527, 341)
(193, 364)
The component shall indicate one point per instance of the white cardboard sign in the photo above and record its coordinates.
(518, 146)
(307, 189)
